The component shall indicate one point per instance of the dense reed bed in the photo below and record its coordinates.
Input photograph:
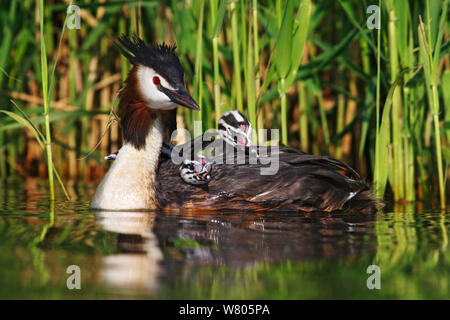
(376, 98)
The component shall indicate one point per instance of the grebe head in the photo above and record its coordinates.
(196, 172)
(154, 86)
(235, 129)
(159, 74)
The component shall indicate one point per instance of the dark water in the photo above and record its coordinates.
(237, 255)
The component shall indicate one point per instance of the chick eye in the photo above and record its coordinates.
(156, 81)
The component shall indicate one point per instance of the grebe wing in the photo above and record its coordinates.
(308, 183)
(324, 161)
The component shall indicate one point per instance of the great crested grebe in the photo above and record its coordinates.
(141, 179)
(154, 88)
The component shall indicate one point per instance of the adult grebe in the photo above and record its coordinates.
(139, 179)
(153, 89)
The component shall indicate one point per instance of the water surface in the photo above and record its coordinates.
(220, 255)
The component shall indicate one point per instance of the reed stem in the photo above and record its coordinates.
(303, 117)
(251, 90)
(378, 179)
(397, 178)
(216, 75)
(44, 73)
(2, 156)
(284, 124)
(437, 140)
(236, 57)
(198, 79)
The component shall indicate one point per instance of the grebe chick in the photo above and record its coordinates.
(196, 172)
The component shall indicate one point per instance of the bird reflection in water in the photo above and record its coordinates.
(137, 266)
(159, 248)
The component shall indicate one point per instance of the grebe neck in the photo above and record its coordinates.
(130, 182)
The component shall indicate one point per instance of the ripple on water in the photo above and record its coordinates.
(215, 255)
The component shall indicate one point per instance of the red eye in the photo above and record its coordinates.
(156, 81)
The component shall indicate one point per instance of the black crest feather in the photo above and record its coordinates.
(161, 57)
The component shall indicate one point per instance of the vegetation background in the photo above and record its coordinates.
(378, 99)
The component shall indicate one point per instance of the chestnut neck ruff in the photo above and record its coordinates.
(135, 115)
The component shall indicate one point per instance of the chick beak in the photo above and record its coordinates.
(245, 141)
(205, 172)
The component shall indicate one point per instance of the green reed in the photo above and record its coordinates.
(429, 54)
(236, 56)
(44, 73)
(217, 16)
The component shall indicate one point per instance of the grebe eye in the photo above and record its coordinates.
(156, 81)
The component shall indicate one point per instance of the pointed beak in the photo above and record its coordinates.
(206, 171)
(245, 141)
(180, 97)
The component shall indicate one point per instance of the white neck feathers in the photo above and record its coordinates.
(130, 182)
